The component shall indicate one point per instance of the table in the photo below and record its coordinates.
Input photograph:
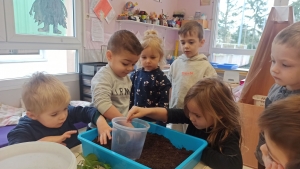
(78, 149)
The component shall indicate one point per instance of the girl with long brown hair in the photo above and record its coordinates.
(212, 115)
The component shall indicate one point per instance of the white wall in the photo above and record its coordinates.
(10, 90)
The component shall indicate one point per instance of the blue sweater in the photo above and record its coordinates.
(149, 89)
(32, 130)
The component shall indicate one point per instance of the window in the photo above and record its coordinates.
(237, 30)
(2, 26)
(32, 20)
(35, 41)
(296, 7)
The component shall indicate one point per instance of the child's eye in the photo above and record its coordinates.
(125, 64)
(53, 115)
(273, 61)
(191, 43)
(65, 109)
(198, 116)
(284, 65)
(182, 43)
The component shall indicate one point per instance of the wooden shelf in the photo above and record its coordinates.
(148, 24)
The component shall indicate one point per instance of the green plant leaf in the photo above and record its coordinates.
(91, 157)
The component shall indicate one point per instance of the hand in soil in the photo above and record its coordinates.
(104, 130)
(136, 112)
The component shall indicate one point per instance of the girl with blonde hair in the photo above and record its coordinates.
(150, 86)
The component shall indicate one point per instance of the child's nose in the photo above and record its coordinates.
(274, 68)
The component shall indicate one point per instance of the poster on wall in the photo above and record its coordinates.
(104, 10)
(204, 2)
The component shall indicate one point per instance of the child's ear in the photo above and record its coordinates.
(202, 42)
(31, 115)
(108, 55)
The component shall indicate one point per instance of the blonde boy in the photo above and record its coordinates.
(49, 116)
(285, 70)
(111, 85)
(190, 67)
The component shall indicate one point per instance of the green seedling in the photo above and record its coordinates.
(91, 162)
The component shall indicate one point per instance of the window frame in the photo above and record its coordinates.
(213, 49)
(2, 20)
(13, 37)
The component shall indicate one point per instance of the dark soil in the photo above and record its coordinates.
(159, 153)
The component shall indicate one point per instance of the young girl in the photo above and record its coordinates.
(212, 114)
(150, 86)
(280, 123)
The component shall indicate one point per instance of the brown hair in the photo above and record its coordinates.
(124, 40)
(289, 36)
(43, 91)
(190, 28)
(215, 99)
(152, 40)
(281, 120)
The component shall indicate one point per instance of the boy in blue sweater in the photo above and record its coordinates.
(49, 116)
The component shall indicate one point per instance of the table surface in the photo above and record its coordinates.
(78, 149)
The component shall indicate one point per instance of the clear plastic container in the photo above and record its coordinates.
(129, 141)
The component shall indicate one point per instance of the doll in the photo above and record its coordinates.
(49, 12)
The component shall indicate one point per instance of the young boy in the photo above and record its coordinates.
(190, 67)
(111, 85)
(280, 123)
(285, 70)
(48, 116)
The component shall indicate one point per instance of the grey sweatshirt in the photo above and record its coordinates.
(108, 89)
(184, 73)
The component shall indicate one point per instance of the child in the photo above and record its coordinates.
(111, 85)
(48, 116)
(150, 86)
(190, 67)
(280, 123)
(212, 114)
(285, 70)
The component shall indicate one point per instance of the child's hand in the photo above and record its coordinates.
(136, 112)
(59, 139)
(269, 163)
(104, 130)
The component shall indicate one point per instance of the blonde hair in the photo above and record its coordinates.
(43, 91)
(281, 120)
(215, 99)
(152, 40)
(289, 36)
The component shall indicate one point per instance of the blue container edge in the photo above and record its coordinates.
(187, 162)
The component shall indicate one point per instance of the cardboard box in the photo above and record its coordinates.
(204, 23)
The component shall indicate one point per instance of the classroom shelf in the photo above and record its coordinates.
(147, 24)
(86, 73)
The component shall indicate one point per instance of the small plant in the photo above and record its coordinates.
(91, 162)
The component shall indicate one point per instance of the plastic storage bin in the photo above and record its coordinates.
(259, 100)
(118, 161)
(129, 141)
(227, 66)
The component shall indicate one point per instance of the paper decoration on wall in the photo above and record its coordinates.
(92, 4)
(204, 2)
(104, 10)
(97, 30)
(49, 12)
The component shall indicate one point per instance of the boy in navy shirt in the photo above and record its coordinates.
(49, 116)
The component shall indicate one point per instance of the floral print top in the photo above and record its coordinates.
(149, 88)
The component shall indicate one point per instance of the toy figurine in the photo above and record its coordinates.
(128, 8)
(49, 12)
